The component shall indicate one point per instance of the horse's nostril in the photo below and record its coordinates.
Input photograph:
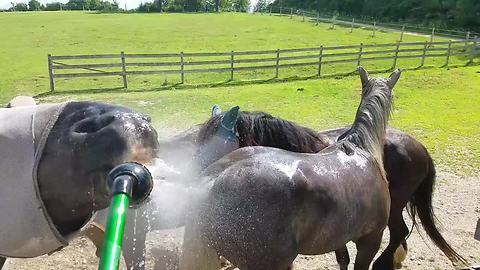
(94, 124)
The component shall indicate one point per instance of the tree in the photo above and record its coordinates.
(241, 5)
(18, 7)
(34, 5)
(54, 6)
(260, 6)
(77, 5)
(443, 13)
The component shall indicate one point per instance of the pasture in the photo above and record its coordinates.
(29, 37)
(438, 106)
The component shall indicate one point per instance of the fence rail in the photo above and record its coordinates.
(370, 24)
(125, 65)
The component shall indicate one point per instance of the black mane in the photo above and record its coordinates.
(262, 129)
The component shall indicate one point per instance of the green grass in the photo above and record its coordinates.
(27, 38)
(437, 106)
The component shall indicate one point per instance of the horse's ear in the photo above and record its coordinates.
(230, 118)
(216, 110)
(363, 76)
(394, 78)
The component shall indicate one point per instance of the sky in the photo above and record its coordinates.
(130, 3)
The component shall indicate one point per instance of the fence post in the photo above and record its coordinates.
(333, 23)
(303, 15)
(320, 55)
(401, 34)
(278, 62)
(270, 10)
(231, 65)
(50, 73)
(182, 67)
(424, 53)
(472, 52)
(351, 26)
(360, 54)
(433, 34)
(396, 55)
(318, 18)
(124, 70)
(374, 26)
(280, 11)
(467, 37)
(448, 52)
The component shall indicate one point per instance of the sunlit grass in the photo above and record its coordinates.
(439, 107)
(27, 39)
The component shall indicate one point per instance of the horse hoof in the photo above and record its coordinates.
(399, 256)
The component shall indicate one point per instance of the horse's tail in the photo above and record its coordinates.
(421, 204)
(368, 130)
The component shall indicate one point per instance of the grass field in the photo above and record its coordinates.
(437, 106)
(29, 37)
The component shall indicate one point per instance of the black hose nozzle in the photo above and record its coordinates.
(132, 179)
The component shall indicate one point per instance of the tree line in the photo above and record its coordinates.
(155, 6)
(444, 13)
(194, 6)
(34, 5)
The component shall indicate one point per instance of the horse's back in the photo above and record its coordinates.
(311, 204)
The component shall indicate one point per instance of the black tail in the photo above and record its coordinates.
(421, 204)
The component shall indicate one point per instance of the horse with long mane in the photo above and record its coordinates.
(264, 206)
(55, 161)
(410, 172)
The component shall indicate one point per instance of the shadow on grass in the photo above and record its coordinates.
(228, 83)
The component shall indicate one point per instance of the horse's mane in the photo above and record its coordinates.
(368, 130)
(262, 129)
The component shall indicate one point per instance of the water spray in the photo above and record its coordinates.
(128, 183)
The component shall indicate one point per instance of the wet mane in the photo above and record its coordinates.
(368, 130)
(262, 129)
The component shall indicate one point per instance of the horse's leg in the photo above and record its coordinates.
(2, 262)
(367, 247)
(343, 259)
(196, 254)
(398, 232)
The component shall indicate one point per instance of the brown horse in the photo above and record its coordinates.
(264, 206)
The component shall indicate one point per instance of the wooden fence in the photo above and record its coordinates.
(125, 65)
(370, 24)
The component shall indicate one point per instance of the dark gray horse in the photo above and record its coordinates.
(264, 206)
(55, 161)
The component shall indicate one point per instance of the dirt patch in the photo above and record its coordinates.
(457, 206)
